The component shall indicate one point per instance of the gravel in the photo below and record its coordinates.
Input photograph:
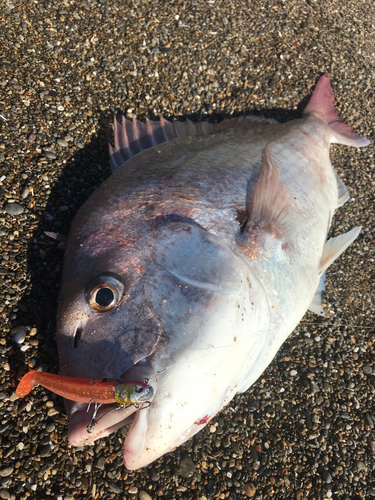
(306, 428)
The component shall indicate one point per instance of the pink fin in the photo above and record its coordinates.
(322, 102)
(132, 136)
(271, 198)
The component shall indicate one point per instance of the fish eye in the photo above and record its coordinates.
(105, 294)
(104, 297)
(138, 389)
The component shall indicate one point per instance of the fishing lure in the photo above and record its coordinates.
(85, 390)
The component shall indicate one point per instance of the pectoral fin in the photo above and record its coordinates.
(271, 199)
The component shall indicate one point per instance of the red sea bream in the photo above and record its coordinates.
(198, 256)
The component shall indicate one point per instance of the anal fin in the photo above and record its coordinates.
(316, 304)
(336, 246)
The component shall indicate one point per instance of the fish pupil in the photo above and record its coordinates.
(104, 297)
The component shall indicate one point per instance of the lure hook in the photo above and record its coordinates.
(93, 421)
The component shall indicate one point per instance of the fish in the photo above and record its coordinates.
(193, 263)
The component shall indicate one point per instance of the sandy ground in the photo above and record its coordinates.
(306, 428)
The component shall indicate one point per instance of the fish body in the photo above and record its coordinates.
(197, 258)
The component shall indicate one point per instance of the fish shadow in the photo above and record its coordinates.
(87, 168)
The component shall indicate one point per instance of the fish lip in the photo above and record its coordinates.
(80, 418)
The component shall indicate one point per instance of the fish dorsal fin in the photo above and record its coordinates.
(271, 198)
(342, 192)
(322, 103)
(133, 136)
(316, 304)
(335, 246)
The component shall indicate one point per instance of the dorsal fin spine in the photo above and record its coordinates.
(132, 136)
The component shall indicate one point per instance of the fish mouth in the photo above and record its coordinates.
(90, 422)
(109, 418)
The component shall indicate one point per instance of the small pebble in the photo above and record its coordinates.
(50, 155)
(114, 487)
(20, 336)
(250, 490)
(6, 471)
(155, 476)
(143, 495)
(25, 193)
(133, 490)
(100, 464)
(187, 467)
(45, 451)
(327, 478)
(14, 208)
(360, 465)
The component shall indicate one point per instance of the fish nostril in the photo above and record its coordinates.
(77, 337)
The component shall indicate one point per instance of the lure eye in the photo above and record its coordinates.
(105, 294)
(138, 389)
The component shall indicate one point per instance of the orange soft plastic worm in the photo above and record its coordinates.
(83, 390)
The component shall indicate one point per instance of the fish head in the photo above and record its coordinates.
(106, 322)
(178, 303)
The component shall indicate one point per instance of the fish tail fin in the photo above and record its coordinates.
(322, 103)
